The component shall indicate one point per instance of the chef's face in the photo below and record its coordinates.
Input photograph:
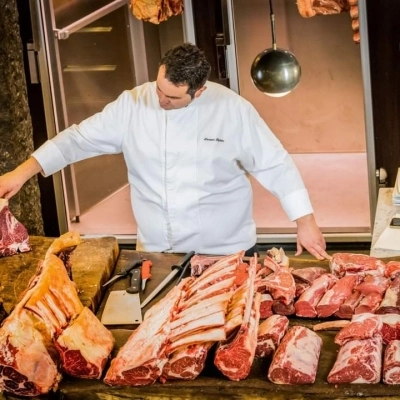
(170, 96)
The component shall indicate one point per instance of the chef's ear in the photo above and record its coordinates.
(200, 91)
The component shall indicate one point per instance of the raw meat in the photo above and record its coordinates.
(296, 359)
(134, 368)
(310, 8)
(390, 327)
(281, 285)
(266, 306)
(186, 363)
(346, 309)
(84, 346)
(358, 361)
(156, 11)
(362, 326)
(306, 304)
(234, 357)
(308, 275)
(270, 333)
(392, 269)
(14, 237)
(373, 284)
(335, 297)
(391, 363)
(350, 263)
(28, 358)
(391, 300)
(369, 303)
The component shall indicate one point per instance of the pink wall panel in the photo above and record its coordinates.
(325, 113)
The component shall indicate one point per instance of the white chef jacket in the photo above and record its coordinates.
(187, 167)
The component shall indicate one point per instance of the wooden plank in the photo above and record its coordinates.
(93, 262)
(211, 384)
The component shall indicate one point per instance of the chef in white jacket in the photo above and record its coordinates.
(188, 144)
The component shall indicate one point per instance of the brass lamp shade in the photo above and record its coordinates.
(275, 72)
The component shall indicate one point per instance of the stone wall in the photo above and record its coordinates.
(16, 138)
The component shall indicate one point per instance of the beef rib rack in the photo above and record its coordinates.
(14, 237)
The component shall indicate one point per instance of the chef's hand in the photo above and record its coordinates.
(310, 237)
(11, 182)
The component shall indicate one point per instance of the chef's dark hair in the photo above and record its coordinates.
(186, 64)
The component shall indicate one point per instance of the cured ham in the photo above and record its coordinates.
(358, 361)
(14, 237)
(296, 359)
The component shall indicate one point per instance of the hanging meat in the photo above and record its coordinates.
(156, 11)
(310, 8)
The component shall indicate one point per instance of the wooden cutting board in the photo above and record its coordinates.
(93, 262)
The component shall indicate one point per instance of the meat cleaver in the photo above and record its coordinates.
(123, 306)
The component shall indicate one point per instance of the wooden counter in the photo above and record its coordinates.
(211, 384)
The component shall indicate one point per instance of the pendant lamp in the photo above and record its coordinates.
(275, 72)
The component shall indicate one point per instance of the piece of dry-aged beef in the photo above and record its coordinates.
(14, 237)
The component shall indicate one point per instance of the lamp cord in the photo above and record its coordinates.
(272, 18)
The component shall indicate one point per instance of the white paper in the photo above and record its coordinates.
(389, 239)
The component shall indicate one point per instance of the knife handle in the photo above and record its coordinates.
(135, 281)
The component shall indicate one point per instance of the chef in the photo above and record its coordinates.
(189, 145)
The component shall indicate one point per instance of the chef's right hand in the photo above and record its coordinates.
(11, 182)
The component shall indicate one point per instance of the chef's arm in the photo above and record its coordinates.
(11, 182)
(309, 236)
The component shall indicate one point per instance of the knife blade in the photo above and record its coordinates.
(124, 272)
(175, 269)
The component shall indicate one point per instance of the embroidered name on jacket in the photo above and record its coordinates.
(214, 140)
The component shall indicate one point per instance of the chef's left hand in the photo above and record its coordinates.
(310, 237)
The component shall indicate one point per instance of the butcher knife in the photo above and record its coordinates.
(123, 306)
(180, 267)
